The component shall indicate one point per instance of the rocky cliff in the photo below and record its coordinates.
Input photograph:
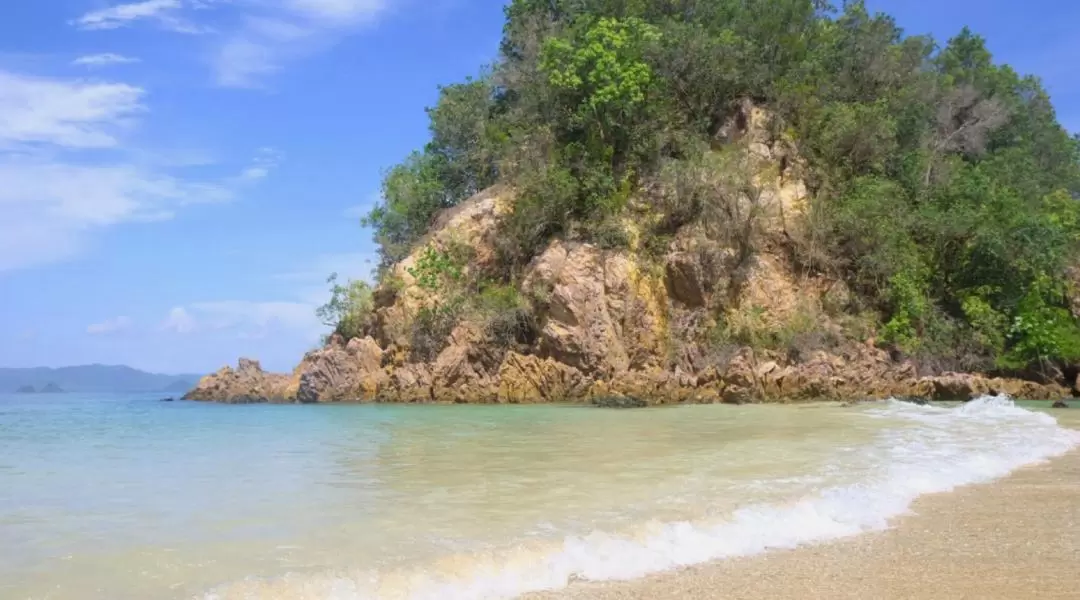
(633, 321)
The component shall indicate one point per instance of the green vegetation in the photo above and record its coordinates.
(348, 309)
(453, 293)
(944, 191)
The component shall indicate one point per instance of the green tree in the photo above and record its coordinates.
(348, 309)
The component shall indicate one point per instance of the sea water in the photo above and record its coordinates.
(126, 497)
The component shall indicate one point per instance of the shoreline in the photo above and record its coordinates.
(1017, 537)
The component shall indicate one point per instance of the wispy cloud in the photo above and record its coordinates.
(110, 326)
(52, 207)
(264, 36)
(304, 287)
(65, 175)
(243, 318)
(71, 114)
(103, 60)
(266, 159)
(285, 32)
(178, 321)
(166, 13)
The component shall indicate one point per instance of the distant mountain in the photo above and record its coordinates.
(93, 378)
(51, 388)
(26, 389)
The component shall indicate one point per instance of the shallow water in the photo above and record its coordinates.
(124, 497)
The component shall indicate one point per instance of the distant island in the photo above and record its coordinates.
(92, 378)
(49, 388)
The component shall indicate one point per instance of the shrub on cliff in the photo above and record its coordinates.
(348, 309)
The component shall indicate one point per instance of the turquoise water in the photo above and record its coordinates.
(128, 497)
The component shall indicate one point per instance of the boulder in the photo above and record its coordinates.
(531, 379)
(467, 370)
(409, 384)
(246, 384)
(341, 372)
(959, 386)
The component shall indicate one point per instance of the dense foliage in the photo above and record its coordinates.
(944, 190)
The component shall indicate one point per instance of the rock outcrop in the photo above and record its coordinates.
(531, 380)
(246, 384)
(339, 372)
(611, 325)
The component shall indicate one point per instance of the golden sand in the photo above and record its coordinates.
(1016, 538)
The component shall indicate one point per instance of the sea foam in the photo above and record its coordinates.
(922, 450)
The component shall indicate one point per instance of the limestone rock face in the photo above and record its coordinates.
(340, 372)
(465, 370)
(248, 383)
(604, 315)
(410, 384)
(579, 330)
(531, 380)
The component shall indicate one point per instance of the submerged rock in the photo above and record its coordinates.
(619, 402)
(1059, 404)
(913, 400)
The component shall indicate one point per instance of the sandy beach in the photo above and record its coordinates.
(1015, 538)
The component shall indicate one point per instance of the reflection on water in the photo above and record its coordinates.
(123, 497)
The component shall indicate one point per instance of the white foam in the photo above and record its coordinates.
(931, 450)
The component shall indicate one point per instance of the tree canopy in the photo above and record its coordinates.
(945, 192)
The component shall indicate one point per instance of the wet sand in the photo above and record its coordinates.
(1015, 538)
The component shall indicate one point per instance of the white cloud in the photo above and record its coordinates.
(269, 33)
(50, 208)
(62, 173)
(108, 326)
(265, 161)
(178, 321)
(288, 31)
(102, 60)
(338, 10)
(244, 318)
(295, 318)
(163, 12)
(71, 114)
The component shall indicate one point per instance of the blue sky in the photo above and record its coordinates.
(178, 177)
